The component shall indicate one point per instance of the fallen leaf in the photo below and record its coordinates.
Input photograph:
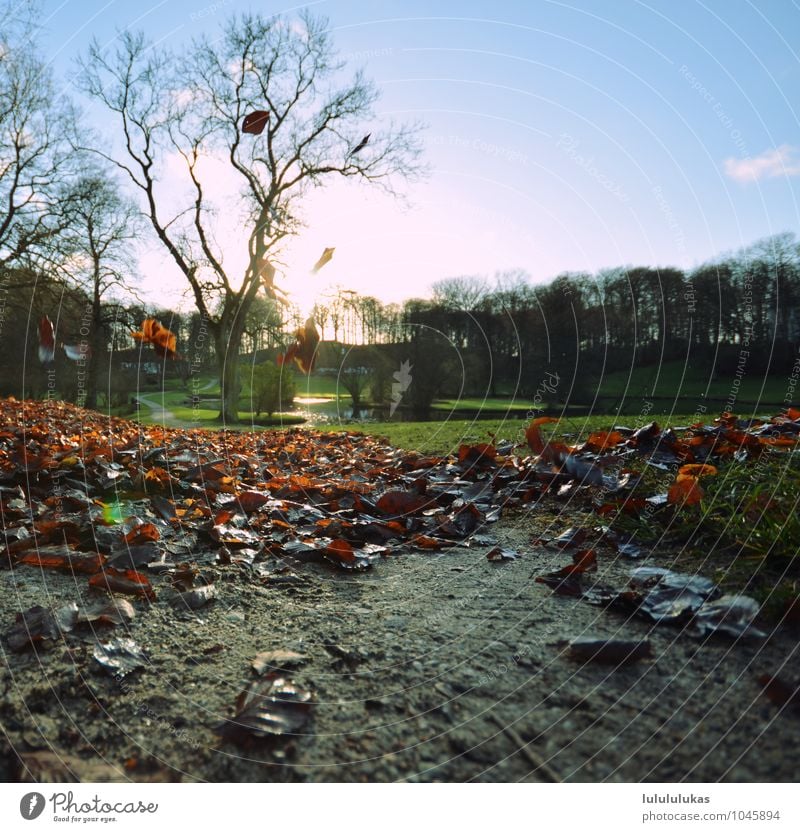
(276, 660)
(128, 582)
(270, 707)
(609, 651)
(120, 656)
(40, 624)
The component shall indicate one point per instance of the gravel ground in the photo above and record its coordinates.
(441, 667)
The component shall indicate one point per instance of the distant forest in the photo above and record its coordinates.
(473, 336)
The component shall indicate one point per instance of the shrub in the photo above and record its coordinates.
(272, 388)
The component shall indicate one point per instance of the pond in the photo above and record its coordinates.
(331, 411)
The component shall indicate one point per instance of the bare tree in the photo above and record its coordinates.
(35, 154)
(191, 107)
(97, 240)
(463, 294)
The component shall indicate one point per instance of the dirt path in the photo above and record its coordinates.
(160, 414)
(427, 668)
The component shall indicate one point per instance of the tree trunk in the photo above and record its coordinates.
(91, 363)
(228, 361)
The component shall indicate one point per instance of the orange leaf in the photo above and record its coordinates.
(58, 558)
(777, 441)
(696, 470)
(142, 534)
(602, 439)
(303, 351)
(128, 582)
(686, 490)
(425, 542)
(480, 452)
(340, 549)
(402, 502)
(164, 342)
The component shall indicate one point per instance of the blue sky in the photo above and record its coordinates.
(561, 136)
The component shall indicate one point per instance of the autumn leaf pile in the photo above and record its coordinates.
(119, 502)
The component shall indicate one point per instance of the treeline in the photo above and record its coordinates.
(473, 336)
(742, 308)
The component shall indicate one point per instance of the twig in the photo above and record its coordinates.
(530, 755)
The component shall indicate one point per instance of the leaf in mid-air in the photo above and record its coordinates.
(255, 122)
(47, 340)
(164, 342)
(325, 257)
(303, 351)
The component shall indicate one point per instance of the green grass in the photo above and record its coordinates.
(517, 405)
(749, 510)
(676, 381)
(446, 436)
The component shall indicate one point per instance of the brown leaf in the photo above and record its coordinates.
(127, 581)
(268, 708)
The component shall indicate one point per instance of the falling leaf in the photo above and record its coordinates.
(164, 342)
(250, 501)
(361, 145)
(481, 455)
(650, 576)
(47, 341)
(268, 708)
(303, 351)
(62, 557)
(601, 439)
(276, 660)
(732, 615)
(325, 257)
(340, 550)
(135, 531)
(197, 597)
(533, 433)
(580, 469)
(255, 122)
(132, 557)
(500, 555)
(398, 503)
(77, 352)
(116, 611)
(685, 491)
(697, 470)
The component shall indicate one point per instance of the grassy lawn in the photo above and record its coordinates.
(446, 436)
(675, 380)
(518, 405)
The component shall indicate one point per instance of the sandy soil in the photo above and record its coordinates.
(429, 667)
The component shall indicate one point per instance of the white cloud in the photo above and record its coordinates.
(779, 161)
